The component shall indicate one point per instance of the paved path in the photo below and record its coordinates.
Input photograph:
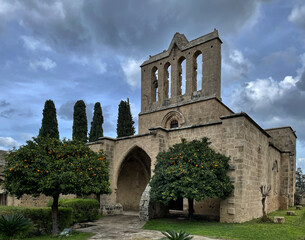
(124, 227)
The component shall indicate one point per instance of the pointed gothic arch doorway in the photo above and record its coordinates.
(133, 177)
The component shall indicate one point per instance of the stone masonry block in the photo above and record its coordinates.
(231, 211)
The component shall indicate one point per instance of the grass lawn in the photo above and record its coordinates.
(75, 236)
(293, 228)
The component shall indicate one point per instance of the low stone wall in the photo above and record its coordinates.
(112, 209)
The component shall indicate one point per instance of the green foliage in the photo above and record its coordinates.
(171, 234)
(14, 225)
(84, 210)
(96, 130)
(190, 170)
(43, 220)
(49, 125)
(299, 186)
(41, 217)
(75, 236)
(125, 123)
(52, 167)
(80, 127)
(300, 181)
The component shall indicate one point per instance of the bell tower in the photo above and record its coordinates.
(161, 74)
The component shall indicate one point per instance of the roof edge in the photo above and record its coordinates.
(283, 127)
(243, 114)
(183, 45)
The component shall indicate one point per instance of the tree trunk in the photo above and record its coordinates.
(264, 211)
(191, 208)
(55, 229)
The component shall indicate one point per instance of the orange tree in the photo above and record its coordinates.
(190, 170)
(52, 167)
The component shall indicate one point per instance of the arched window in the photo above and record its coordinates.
(173, 119)
(174, 123)
(167, 78)
(181, 76)
(198, 70)
(154, 82)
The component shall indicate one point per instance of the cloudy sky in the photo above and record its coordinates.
(68, 50)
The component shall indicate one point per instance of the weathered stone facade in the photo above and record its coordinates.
(258, 156)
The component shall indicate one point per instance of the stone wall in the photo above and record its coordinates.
(257, 157)
(254, 162)
(28, 201)
(197, 112)
(284, 138)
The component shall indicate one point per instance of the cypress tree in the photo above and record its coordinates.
(80, 127)
(49, 125)
(96, 130)
(125, 123)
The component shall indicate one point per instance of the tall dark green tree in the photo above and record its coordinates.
(96, 130)
(300, 181)
(49, 125)
(125, 123)
(299, 186)
(80, 126)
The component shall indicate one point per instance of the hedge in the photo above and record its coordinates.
(84, 210)
(41, 217)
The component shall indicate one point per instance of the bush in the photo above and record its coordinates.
(297, 197)
(15, 225)
(84, 210)
(172, 235)
(41, 217)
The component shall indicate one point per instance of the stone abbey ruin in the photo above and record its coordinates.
(173, 108)
(258, 156)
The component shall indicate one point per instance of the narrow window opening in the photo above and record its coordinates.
(156, 85)
(198, 70)
(167, 82)
(154, 82)
(174, 124)
(181, 76)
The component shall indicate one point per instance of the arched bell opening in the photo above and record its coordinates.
(197, 71)
(181, 76)
(154, 84)
(133, 177)
(167, 82)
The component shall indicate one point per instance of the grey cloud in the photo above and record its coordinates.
(4, 103)
(84, 26)
(65, 111)
(235, 66)
(287, 56)
(89, 112)
(301, 82)
(27, 113)
(283, 107)
(297, 16)
(110, 121)
(8, 143)
(7, 113)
